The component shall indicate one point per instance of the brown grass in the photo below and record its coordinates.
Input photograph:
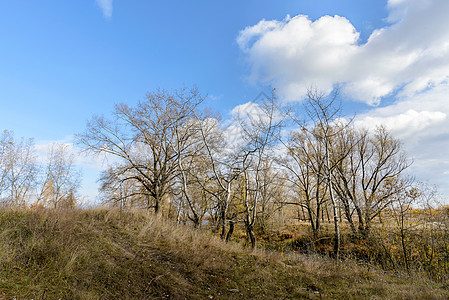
(108, 254)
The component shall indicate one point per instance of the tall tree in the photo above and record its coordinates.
(260, 130)
(144, 140)
(323, 113)
(224, 169)
(368, 179)
(305, 164)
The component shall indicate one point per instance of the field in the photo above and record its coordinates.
(109, 254)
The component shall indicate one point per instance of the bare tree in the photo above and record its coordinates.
(143, 139)
(382, 163)
(223, 167)
(19, 168)
(273, 194)
(403, 202)
(305, 164)
(260, 131)
(61, 180)
(324, 112)
(346, 174)
(188, 144)
(368, 179)
(6, 140)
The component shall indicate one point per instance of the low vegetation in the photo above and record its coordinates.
(113, 254)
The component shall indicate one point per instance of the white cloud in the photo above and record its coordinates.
(404, 124)
(106, 7)
(296, 52)
(43, 148)
(247, 109)
(408, 56)
(407, 61)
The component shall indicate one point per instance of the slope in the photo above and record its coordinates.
(108, 254)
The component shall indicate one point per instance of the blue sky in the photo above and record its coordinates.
(63, 61)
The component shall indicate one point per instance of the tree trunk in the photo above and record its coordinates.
(361, 227)
(251, 236)
(223, 212)
(403, 242)
(231, 231)
(312, 223)
(334, 204)
(223, 224)
(348, 215)
(336, 226)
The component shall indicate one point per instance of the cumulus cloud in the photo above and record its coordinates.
(408, 56)
(296, 52)
(106, 7)
(407, 61)
(248, 109)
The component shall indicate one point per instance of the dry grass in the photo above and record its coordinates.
(108, 254)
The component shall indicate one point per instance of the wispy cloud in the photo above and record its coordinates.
(106, 7)
(82, 160)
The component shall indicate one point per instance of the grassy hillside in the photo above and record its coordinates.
(105, 254)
